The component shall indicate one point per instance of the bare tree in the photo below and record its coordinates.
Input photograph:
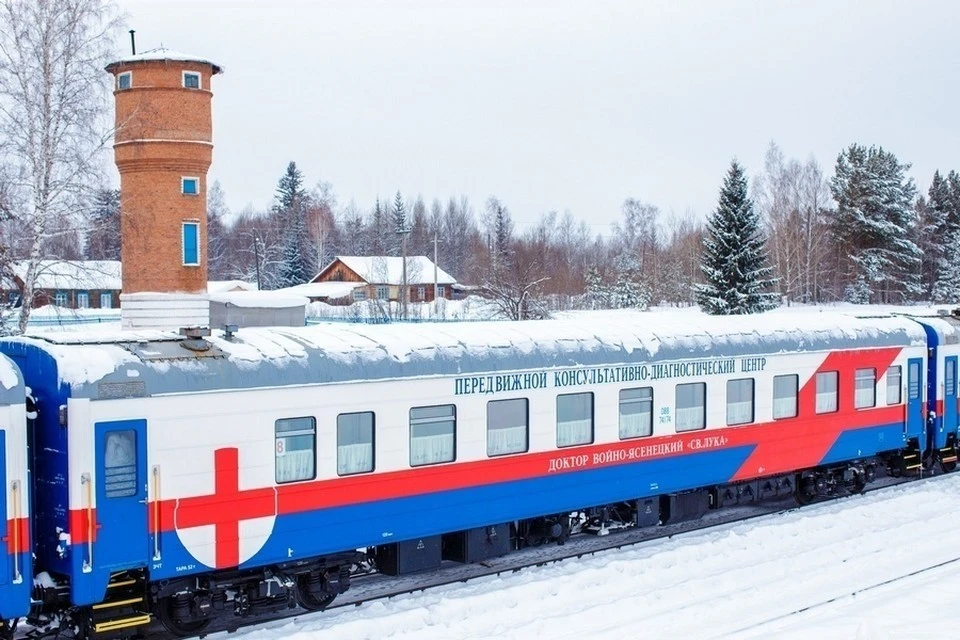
(793, 198)
(53, 99)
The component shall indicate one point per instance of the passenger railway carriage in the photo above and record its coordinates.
(185, 476)
(16, 567)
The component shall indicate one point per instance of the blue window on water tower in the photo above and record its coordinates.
(191, 243)
(190, 186)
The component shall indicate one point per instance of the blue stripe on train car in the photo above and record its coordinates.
(331, 530)
(860, 443)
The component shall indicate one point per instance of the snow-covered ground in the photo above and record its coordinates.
(885, 565)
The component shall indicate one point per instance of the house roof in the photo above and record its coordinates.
(329, 290)
(80, 275)
(220, 286)
(389, 269)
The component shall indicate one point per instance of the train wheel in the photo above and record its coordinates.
(310, 601)
(858, 484)
(805, 492)
(174, 622)
(948, 466)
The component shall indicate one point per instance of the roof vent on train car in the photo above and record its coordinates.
(229, 331)
(195, 338)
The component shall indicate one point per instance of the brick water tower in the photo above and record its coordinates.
(163, 148)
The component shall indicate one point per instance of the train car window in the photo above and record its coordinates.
(574, 419)
(636, 412)
(865, 389)
(120, 464)
(785, 396)
(691, 406)
(827, 383)
(296, 449)
(507, 426)
(355, 443)
(893, 385)
(914, 380)
(433, 435)
(740, 401)
(950, 379)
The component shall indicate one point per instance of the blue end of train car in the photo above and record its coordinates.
(16, 565)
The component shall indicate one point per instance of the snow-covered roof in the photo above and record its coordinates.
(162, 53)
(348, 353)
(389, 269)
(220, 286)
(11, 384)
(82, 275)
(329, 290)
(260, 299)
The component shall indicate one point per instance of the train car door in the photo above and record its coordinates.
(121, 461)
(949, 399)
(4, 528)
(916, 420)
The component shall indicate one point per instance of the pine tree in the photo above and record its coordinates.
(400, 226)
(875, 225)
(103, 236)
(297, 262)
(294, 266)
(595, 291)
(735, 261)
(946, 290)
(378, 225)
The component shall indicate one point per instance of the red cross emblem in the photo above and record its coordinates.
(225, 510)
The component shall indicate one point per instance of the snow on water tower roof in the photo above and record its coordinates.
(163, 54)
(333, 353)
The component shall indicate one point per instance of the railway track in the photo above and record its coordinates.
(834, 599)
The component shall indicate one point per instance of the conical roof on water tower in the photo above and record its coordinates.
(163, 147)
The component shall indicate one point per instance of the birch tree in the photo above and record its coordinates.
(53, 103)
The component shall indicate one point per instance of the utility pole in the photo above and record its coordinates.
(256, 257)
(436, 287)
(403, 233)
(320, 264)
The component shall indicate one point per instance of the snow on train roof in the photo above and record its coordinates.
(352, 352)
(11, 384)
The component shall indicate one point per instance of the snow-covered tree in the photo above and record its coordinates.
(53, 99)
(103, 232)
(875, 225)
(399, 214)
(734, 263)
(217, 211)
(939, 219)
(298, 262)
(946, 289)
(595, 291)
(377, 231)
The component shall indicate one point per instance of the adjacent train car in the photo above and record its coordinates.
(941, 409)
(16, 567)
(185, 476)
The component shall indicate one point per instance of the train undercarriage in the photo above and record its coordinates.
(187, 606)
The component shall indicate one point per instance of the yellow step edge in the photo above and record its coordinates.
(123, 583)
(121, 623)
(117, 603)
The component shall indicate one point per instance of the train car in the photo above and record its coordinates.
(16, 567)
(185, 476)
(942, 415)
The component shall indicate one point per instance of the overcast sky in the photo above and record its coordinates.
(560, 105)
